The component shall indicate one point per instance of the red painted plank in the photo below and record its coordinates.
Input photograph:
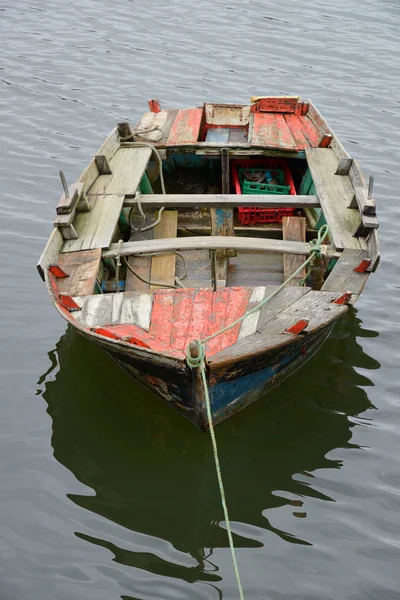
(138, 337)
(186, 127)
(161, 315)
(237, 305)
(276, 105)
(271, 130)
(202, 308)
(297, 131)
(310, 131)
(217, 320)
(181, 317)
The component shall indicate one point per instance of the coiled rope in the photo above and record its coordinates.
(197, 361)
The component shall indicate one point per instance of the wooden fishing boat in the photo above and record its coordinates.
(183, 224)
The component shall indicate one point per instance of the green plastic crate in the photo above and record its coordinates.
(253, 187)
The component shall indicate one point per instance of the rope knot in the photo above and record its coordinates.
(195, 354)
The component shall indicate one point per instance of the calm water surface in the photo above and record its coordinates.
(105, 493)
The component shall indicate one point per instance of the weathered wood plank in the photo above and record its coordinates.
(140, 264)
(96, 228)
(335, 193)
(249, 325)
(294, 229)
(136, 308)
(297, 131)
(343, 278)
(161, 122)
(82, 269)
(128, 166)
(240, 301)
(210, 242)
(161, 315)
(271, 130)
(51, 251)
(275, 104)
(224, 200)
(365, 204)
(107, 149)
(283, 299)
(202, 308)
(316, 307)
(186, 127)
(226, 115)
(217, 320)
(96, 310)
(222, 221)
(66, 204)
(163, 268)
(344, 165)
(310, 131)
(181, 318)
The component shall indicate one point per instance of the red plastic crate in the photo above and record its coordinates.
(250, 215)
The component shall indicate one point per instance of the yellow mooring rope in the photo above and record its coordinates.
(199, 362)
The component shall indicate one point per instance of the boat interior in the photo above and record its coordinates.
(184, 222)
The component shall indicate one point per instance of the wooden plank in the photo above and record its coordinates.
(282, 300)
(186, 127)
(224, 201)
(249, 325)
(316, 306)
(181, 318)
(365, 204)
(222, 221)
(65, 204)
(161, 315)
(217, 320)
(202, 309)
(107, 149)
(227, 115)
(209, 243)
(310, 131)
(136, 308)
(294, 229)
(343, 278)
(335, 193)
(275, 104)
(50, 252)
(344, 165)
(163, 268)
(271, 130)
(128, 166)
(220, 135)
(239, 302)
(162, 121)
(96, 228)
(82, 269)
(297, 131)
(140, 264)
(96, 310)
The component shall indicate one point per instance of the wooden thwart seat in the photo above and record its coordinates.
(215, 242)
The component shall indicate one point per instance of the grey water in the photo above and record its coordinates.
(105, 493)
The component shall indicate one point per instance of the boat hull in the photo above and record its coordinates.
(230, 389)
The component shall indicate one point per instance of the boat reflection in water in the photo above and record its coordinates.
(153, 473)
